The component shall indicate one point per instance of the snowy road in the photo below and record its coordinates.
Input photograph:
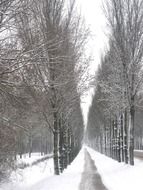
(138, 154)
(91, 179)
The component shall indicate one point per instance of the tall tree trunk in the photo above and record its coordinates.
(72, 148)
(69, 146)
(101, 143)
(125, 137)
(105, 140)
(119, 144)
(61, 142)
(30, 145)
(131, 133)
(111, 153)
(65, 148)
(56, 145)
(46, 146)
(113, 139)
(116, 140)
(122, 139)
(41, 144)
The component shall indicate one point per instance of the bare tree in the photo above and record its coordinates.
(52, 41)
(125, 21)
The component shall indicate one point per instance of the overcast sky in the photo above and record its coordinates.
(95, 19)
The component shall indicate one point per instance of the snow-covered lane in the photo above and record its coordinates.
(90, 178)
(118, 176)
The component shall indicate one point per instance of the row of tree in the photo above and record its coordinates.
(42, 69)
(118, 94)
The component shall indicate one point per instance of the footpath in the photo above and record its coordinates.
(91, 179)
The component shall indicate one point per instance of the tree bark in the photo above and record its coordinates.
(61, 147)
(131, 132)
(122, 139)
(125, 137)
(116, 139)
(105, 140)
(69, 145)
(119, 144)
(56, 145)
(111, 153)
(30, 146)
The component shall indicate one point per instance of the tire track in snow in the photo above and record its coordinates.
(91, 179)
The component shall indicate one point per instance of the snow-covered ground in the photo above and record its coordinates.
(29, 160)
(25, 178)
(41, 176)
(118, 176)
(115, 176)
(69, 180)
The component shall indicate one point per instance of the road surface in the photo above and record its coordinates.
(138, 154)
(91, 179)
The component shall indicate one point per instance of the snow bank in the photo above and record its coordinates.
(26, 160)
(69, 180)
(41, 176)
(25, 178)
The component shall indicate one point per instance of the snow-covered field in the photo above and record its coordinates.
(116, 176)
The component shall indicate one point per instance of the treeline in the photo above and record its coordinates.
(42, 69)
(115, 116)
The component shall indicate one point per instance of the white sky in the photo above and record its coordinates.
(95, 19)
